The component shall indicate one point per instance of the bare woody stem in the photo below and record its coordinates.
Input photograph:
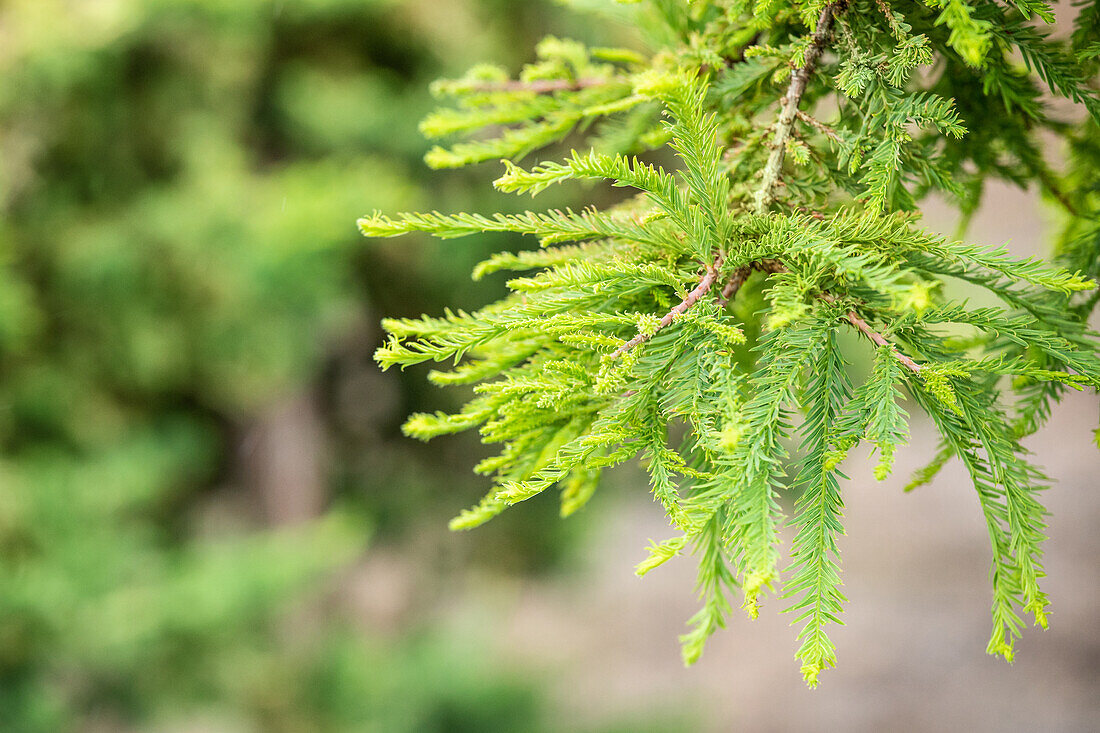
(819, 125)
(741, 274)
(874, 336)
(704, 286)
(783, 127)
(1048, 181)
(790, 101)
(540, 86)
(737, 279)
(881, 340)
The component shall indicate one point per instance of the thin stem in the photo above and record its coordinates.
(790, 101)
(733, 285)
(775, 266)
(741, 274)
(875, 337)
(770, 177)
(1050, 183)
(704, 286)
(818, 124)
(881, 340)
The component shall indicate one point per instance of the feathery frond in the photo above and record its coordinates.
(691, 324)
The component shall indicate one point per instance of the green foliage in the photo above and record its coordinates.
(816, 580)
(177, 182)
(633, 329)
(163, 282)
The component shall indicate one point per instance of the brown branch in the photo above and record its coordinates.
(733, 285)
(770, 178)
(704, 286)
(875, 337)
(790, 102)
(881, 340)
(773, 266)
(539, 86)
(737, 279)
(741, 274)
(891, 20)
(819, 125)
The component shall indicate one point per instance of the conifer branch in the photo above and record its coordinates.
(853, 318)
(733, 285)
(877, 338)
(874, 336)
(741, 274)
(819, 125)
(705, 284)
(539, 86)
(847, 249)
(790, 101)
(1051, 185)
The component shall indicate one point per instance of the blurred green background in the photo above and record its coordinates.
(209, 522)
(199, 458)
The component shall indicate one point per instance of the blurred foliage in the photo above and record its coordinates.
(179, 181)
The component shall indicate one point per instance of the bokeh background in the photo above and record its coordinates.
(209, 522)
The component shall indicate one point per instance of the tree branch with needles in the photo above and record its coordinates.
(770, 177)
(765, 196)
(541, 86)
(704, 286)
(790, 101)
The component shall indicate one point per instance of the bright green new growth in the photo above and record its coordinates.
(692, 324)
